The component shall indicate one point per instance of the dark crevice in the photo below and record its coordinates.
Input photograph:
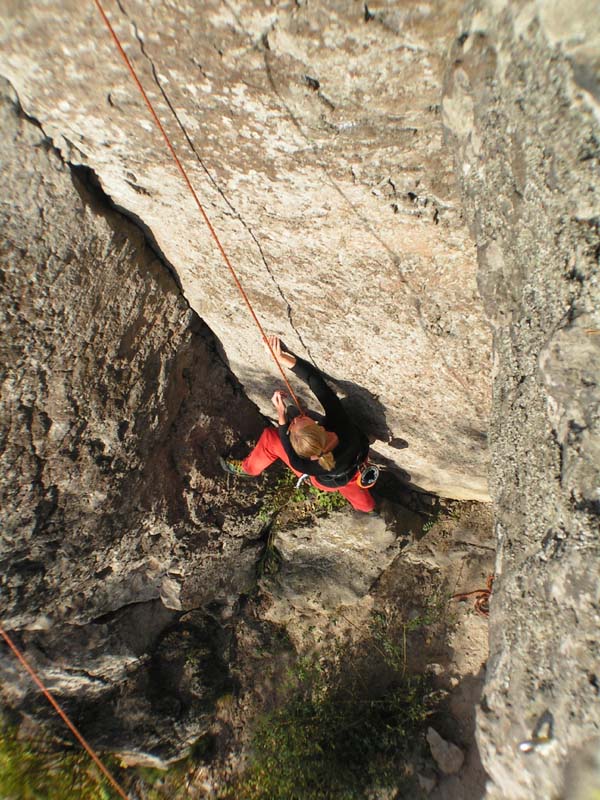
(87, 178)
(79, 671)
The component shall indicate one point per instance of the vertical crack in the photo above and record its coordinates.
(211, 178)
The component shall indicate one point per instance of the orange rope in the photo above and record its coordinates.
(62, 714)
(482, 597)
(194, 195)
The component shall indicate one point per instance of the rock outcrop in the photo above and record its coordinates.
(312, 134)
(522, 105)
(315, 141)
(125, 551)
(115, 405)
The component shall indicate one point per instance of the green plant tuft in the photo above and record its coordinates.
(299, 502)
(350, 726)
(324, 502)
(37, 770)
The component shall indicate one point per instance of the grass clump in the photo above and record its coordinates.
(325, 502)
(350, 726)
(41, 768)
(298, 502)
(430, 523)
(37, 770)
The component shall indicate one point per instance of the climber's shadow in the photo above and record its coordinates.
(363, 407)
(368, 413)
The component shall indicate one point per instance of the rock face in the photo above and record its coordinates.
(522, 105)
(115, 405)
(124, 551)
(316, 140)
(448, 757)
(326, 571)
(312, 134)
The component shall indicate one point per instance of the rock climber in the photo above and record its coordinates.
(330, 451)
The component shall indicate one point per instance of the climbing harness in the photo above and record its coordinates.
(366, 477)
(37, 680)
(482, 597)
(188, 182)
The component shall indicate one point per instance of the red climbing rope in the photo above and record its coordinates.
(195, 196)
(482, 597)
(19, 655)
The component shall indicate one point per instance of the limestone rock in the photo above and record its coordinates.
(448, 757)
(312, 134)
(326, 574)
(114, 408)
(317, 149)
(522, 110)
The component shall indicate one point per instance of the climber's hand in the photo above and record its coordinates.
(282, 356)
(278, 401)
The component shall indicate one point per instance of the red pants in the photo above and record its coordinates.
(269, 448)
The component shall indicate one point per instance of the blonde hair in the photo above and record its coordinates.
(309, 440)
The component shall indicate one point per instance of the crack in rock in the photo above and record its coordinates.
(209, 175)
(91, 180)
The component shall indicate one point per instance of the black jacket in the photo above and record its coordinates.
(353, 445)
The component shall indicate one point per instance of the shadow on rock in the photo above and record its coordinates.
(456, 724)
(365, 409)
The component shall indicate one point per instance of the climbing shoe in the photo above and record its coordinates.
(233, 466)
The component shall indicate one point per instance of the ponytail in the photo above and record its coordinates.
(309, 440)
(327, 461)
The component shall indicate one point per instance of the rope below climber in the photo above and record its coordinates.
(481, 602)
(330, 450)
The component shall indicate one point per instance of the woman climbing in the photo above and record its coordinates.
(331, 451)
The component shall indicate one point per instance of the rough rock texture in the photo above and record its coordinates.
(317, 151)
(125, 553)
(406, 611)
(522, 105)
(448, 757)
(327, 571)
(114, 407)
(314, 140)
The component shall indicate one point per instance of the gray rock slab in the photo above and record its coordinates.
(313, 137)
(326, 573)
(523, 111)
(448, 757)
